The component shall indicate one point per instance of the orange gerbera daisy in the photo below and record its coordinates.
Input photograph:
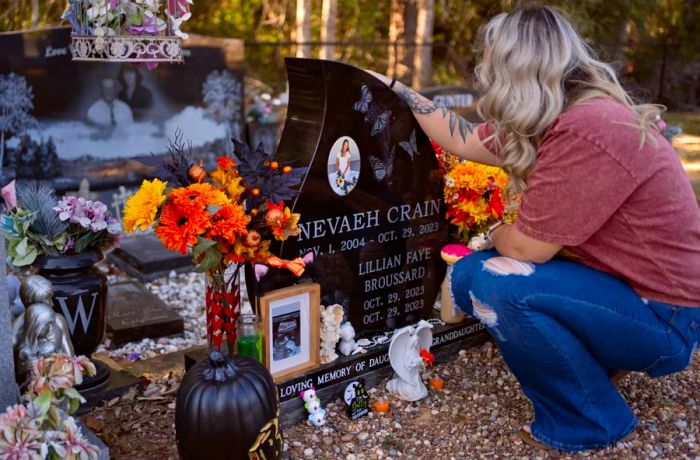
(199, 196)
(180, 226)
(229, 222)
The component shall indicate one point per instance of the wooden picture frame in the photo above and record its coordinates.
(291, 324)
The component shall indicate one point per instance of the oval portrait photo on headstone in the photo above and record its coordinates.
(344, 165)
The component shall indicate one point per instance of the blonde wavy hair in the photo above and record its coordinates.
(535, 66)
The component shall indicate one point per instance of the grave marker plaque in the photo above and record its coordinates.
(371, 204)
(134, 313)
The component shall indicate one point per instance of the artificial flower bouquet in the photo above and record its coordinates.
(473, 193)
(35, 222)
(107, 18)
(41, 427)
(225, 218)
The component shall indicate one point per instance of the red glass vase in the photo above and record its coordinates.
(223, 307)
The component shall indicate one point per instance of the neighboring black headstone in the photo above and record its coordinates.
(134, 313)
(145, 258)
(371, 204)
(87, 119)
(356, 399)
(459, 99)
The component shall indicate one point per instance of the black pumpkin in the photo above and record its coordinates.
(227, 408)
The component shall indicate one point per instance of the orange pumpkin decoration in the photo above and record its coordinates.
(197, 172)
(436, 383)
(381, 406)
(252, 239)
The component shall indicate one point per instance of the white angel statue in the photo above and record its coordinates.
(405, 359)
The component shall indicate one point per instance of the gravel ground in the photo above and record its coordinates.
(476, 416)
(480, 411)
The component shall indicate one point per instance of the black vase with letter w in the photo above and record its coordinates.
(80, 295)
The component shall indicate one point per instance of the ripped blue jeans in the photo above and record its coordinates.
(563, 329)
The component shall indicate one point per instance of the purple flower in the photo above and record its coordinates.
(69, 245)
(148, 26)
(90, 215)
(134, 357)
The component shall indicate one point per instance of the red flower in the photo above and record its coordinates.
(225, 163)
(428, 357)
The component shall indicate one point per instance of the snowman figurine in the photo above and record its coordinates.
(317, 414)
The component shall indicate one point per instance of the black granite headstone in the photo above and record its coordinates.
(134, 313)
(145, 258)
(371, 204)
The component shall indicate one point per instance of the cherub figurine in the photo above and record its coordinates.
(405, 359)
(39, 331)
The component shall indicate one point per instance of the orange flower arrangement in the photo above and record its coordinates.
(473, 193)
(225, 218)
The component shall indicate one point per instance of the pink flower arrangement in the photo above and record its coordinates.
(42, 427)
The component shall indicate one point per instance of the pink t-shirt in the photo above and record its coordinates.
(624, 210)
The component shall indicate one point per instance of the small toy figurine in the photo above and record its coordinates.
(317, 414)
(347, 339)
(309, 395)
(407, 362)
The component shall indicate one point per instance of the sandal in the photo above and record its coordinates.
(618, 376)
(527, 437)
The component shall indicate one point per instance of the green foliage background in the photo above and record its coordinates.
(634, 34)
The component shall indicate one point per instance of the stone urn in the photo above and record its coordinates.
(80, 295)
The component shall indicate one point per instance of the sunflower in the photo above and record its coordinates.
(179, 226)
(199, 196)
(229, 222)
(141, 209)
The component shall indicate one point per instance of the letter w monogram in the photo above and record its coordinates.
(79, 312)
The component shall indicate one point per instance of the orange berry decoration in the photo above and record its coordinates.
(287, 169)
(255, 192)
(274, 165)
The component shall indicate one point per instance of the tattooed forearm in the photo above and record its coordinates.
(423, 106)
(463, 125)
(416, 102)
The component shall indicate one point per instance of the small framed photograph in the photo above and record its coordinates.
(291, 329)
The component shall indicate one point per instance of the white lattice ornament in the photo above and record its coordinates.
(121, 48)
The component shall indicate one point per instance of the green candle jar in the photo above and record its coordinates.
(249, 336)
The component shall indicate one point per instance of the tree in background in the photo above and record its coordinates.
(423, 59)
(652, 42)
(329, 10)
(303, 28)
(15, 105)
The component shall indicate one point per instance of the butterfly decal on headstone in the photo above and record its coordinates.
(380, 123)
(382, 169)
(362, 105)
(378, 117)
(410, 146)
